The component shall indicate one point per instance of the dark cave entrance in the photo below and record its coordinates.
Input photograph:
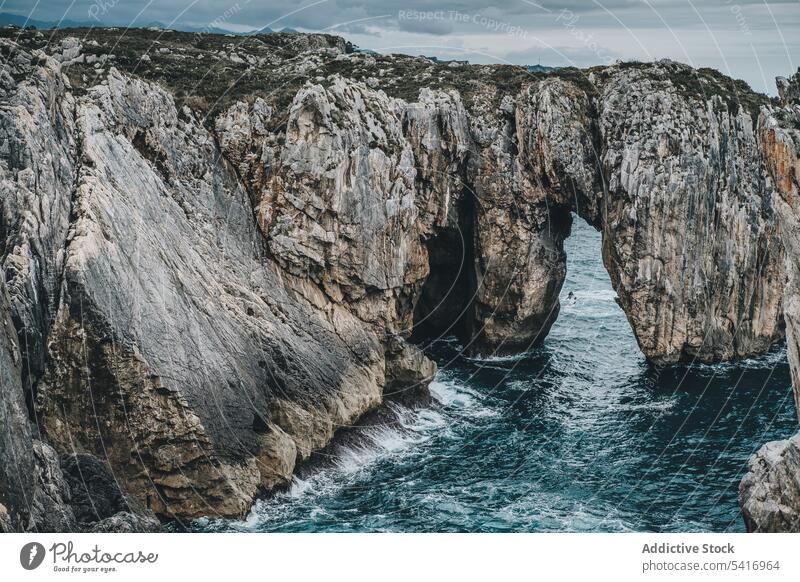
(444, 306)
(447, 306)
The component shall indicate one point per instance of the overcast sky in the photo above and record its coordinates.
(752, 40)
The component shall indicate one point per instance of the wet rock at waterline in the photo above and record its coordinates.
(770, 492)
(210, 279)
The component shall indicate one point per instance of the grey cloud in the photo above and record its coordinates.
(312, 14)
(432, 22)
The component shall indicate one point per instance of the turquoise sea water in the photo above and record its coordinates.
(578, 435)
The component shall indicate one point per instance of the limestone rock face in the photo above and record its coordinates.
(205, 296)
(779, 131)
(338, 206)
(37, 173)
(33, 494)
(535, 164)
(789, 89)
(16, 455)
(172, 344)
(770, 491)
(389, 206)
(51, 510)
(689, 239)
(97, 500)
(365, 195)
(190, 335)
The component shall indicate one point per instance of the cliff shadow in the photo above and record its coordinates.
(445, 304)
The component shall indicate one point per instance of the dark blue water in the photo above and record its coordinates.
(579, 435)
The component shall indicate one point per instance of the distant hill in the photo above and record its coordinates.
(539, 68)
(8, 19)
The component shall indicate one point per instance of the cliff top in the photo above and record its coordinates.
(208, 72)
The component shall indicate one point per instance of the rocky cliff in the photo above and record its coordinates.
(770, 492)
(217, 251)
(689, 236)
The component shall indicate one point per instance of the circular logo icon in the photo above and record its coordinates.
(31, 555)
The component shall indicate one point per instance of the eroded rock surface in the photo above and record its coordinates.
(770, 492)
(211, 275)
(34, 493)
(171, 324)
(37, 176)
(16, 454)
(536, 163)
(98, 501)
(779, 131)
(689, 238)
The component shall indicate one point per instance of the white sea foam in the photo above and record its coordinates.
(498, 359)
(429, 421)
(377, 442)
(448, 394)
(347, 461)
(461, 398)
(768, 361)
(654, 405)
(299, 486)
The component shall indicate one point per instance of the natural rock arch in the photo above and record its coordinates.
(290, 245)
